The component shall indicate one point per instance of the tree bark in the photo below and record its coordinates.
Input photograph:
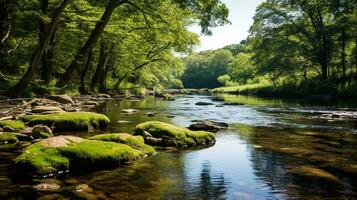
(343, 53)
(88, 65)
(37, 54)
(72, 71)
(6, 7)
(46, 70)
(100, 66)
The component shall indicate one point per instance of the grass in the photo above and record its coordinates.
(241, 88)
(17, 125)
(136, 142)
(69, 121)
(8, 138)
(302, 89)
(87, 154)
(175, 136)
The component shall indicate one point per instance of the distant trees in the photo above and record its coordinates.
(291, 42)
(203, 69)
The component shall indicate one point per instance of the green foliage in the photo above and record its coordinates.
(142, 39)
(68, 121)
(175, 136)
(17, 125)
(203, 69)
(242, 68)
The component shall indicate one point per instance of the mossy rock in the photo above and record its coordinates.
(6, 138)
(62, 153)
(136, 142)
(16, 125)
(68, 120)
(169, 135)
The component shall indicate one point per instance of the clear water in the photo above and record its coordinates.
(274, 149)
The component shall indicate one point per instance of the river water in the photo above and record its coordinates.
(274, 149)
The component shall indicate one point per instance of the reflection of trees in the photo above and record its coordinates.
(279, 150)
(210, 185)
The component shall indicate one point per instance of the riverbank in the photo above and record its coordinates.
(323, 90)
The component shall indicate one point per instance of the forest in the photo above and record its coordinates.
(52, 46)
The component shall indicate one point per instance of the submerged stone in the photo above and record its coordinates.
(64, 153)
(69, 121)
(168, 135)
(129, 111)
(312, 172)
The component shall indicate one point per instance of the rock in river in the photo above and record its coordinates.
(168, 135)
(68, 121)
(129, 111)
(204, 104)
(210, 126)
(12, 124)
(64, 99)
(63, 153)
(46, 109)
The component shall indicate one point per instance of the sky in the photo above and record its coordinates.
(241, 13)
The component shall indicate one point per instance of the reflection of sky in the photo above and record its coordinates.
(229, 160)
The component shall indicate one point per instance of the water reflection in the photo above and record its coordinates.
(304, 163)
(210, 185)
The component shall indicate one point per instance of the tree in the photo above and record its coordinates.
(37, 54)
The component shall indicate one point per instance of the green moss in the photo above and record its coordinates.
(69, 121)
(17, 125)
(8, 138)
(136, 142)
(42, 135)
(42, 160)
(86, 154)
(175, 136)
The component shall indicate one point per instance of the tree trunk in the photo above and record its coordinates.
(47, 64)
(88, 65)
(6, 7)
(37, 54)
(100, 67)
(343, 53)
(72, 71)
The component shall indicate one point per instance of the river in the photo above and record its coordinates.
(274, 149)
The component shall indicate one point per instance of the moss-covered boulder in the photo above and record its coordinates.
(167, 135)
(6, 138)
(63, 153)
(136, 142)
(68, 121)
(16, 125)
